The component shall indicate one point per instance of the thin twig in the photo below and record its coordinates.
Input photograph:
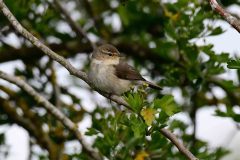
(42, 138)
(82, 75)
(52, 109)
(235, 22)
(178, 144)
(56, 87)
(75, 27)
(88, 7)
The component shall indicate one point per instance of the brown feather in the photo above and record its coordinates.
(154, 86)
(125, 71)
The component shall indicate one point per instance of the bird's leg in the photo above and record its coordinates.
(109, 97)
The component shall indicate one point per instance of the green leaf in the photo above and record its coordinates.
(91, 131)
(162, 119)
(135, 101)
(223, 57)
(228, 84)
(216, 31)
(158, 141)
(167, 104)
(170, 30)
(234, 64)
(137, 126)
(229, 113)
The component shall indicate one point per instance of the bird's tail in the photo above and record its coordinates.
(154, 86)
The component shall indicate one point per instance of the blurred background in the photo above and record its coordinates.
(182, 45)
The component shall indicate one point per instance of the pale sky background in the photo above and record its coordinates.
(215, 130)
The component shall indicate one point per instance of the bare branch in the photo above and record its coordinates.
(39, 44)
(51, 108)
(87, 6)
(82, 75)
(34, 130)
(30, 54)
(178, 144)
(235, 22)
(75, 27)
(56, 87)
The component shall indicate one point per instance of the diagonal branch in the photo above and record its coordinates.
(26, 123)
(34, 126)
(178, 144)
(42, 138)
(51, 108)
(75, 27)
(82, 75)
(89, 10)
(235, 22)
(18, 27)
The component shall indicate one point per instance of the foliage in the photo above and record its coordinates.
(158, 37)
(234, 64)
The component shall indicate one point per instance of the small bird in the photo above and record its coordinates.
(110, 74)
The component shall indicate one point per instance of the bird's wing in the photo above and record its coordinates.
(125, 71)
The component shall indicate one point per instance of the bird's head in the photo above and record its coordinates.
(106, 52)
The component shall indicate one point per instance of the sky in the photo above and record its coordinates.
(215, 130)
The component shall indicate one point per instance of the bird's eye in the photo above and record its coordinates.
(108, 52)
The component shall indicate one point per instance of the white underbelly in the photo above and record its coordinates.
(103, 77)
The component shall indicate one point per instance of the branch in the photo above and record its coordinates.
(56, 87)
(18, 27)
(26, 123)
(51, 108)
(71, 126)
(235, 22)
(70, 48)
(231, 94)
(30, 54)
(75, 27)
(178, 144)
(34, 126)
(82, 75)
(89, 10)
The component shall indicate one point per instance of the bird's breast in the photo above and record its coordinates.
(103, 77)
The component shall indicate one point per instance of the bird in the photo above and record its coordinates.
(110, 74)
